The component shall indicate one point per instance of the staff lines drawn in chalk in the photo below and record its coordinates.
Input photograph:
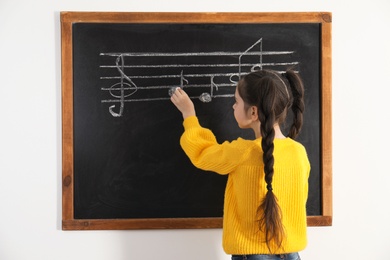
(199, 65)
(181, 74)
(161, 98)
(168, 87)
(173, 54)
(176, 76)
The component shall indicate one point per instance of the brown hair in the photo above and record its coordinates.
(273, 94)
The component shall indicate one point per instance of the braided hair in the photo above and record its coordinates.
(273, 94)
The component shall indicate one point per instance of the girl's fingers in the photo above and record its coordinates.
(178, 91)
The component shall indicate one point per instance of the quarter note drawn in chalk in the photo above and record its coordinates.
(208, 97)
(190, 70)
(182, 80)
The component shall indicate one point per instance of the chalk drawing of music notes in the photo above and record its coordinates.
(135, 75)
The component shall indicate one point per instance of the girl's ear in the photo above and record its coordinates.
(254, 115)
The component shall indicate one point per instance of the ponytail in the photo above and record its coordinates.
(298, 106)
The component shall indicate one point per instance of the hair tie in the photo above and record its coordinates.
(269, 187)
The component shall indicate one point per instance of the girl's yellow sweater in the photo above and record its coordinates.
(245, 188)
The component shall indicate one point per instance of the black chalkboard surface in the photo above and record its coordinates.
(127, 164)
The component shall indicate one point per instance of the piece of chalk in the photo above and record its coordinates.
(171, 91)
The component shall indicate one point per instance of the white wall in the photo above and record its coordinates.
(30, 136)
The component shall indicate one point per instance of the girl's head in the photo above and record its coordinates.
(272, 94)
(269, 96)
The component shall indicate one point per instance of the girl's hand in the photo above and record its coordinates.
(183, 102)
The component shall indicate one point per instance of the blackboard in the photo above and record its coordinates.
(123, 167)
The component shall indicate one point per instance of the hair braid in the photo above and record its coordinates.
(270, 220)
(298, 106)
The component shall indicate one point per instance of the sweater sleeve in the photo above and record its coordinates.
(205, 152)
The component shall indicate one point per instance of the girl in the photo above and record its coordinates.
(267, 187)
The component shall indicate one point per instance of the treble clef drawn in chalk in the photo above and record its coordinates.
(129, 86)
(149, 72)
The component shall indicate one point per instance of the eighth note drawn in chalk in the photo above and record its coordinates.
(133, 73)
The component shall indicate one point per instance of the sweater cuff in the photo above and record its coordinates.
(190, 122)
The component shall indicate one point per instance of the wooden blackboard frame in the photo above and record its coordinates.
(68, 18)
